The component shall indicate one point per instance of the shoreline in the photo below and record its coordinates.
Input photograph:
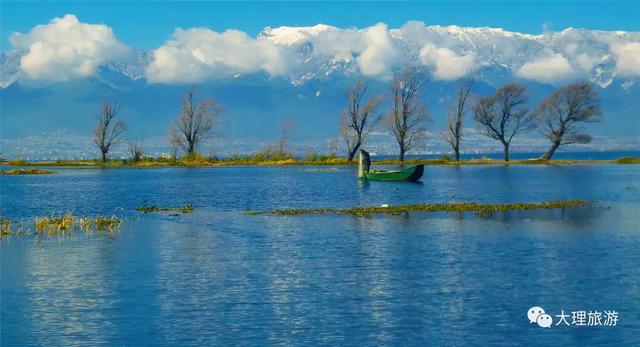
(292, 162)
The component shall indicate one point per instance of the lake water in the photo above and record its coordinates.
(218, 276)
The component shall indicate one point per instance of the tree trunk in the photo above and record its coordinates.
(506, 152)
(456, 149)
(401, 154)
(104, 156)
(551, 150)
(353, 152)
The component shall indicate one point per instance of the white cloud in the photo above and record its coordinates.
(448, 65)
(586, 62)
(551, 68)
(341, 43)
(627, 58)
(199, 54)
(196, 55)
(66, 48)
(379, 54)
(372, 48)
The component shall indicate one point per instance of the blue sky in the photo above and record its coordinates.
(148, 24)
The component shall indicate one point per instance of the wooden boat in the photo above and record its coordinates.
(412, 174)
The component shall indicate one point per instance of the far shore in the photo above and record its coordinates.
(328, 161)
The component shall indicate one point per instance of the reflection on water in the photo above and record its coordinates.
(218, 276)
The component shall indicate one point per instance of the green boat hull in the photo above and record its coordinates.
(412, 174)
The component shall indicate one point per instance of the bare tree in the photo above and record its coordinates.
(107, 134)
(174, 140)
(135, 150)
(196, 121)
(356, 121)
(457, 113)
(283, 143)
(504, 115)
(408, 112)
(561, 114)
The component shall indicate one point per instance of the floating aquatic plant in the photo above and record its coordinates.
(442, 207)
(182, 209)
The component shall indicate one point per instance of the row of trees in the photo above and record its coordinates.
(194, 124)
(501, 117)
(405, 121)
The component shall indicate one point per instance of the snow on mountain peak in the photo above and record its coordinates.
(290, 36)
(323, 51)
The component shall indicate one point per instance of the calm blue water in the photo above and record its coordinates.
(218, 276)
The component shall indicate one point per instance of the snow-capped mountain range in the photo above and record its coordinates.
(588, 50)
(576, 53)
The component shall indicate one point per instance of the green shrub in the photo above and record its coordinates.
(628, 160)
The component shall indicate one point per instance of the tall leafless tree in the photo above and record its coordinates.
(560, 115)
(108, 133)
(457, 112)
(356, 121)
(408, 112)
(283, 142)
(196, 121)
(504, 115)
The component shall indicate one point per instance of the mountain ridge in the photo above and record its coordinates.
(584, 49)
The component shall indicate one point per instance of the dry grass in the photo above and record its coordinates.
(25, 172)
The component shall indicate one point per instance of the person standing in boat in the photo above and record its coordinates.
(364, 163)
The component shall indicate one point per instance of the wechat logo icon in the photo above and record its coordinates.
(537, 315)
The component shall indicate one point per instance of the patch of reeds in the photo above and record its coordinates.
(182, 209)
(107, 223)
(5, 227)
(69, 223)
(450, 207)
(8, 228)
(54, 225)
